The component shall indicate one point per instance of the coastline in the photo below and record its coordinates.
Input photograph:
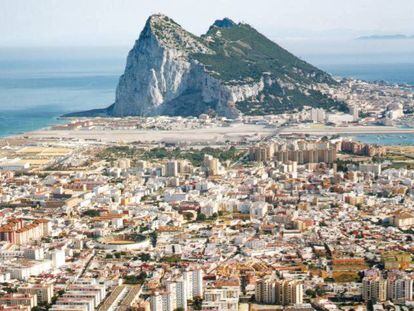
(94, 93)
(26, 124)
(347, 131)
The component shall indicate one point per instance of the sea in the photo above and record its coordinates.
(37, 86)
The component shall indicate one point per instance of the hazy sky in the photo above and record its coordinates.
(118, 22)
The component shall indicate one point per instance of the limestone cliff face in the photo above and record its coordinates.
(231, 70)
(154, 74)
(160, 70)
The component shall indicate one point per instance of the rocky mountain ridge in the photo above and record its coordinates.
(231, 70)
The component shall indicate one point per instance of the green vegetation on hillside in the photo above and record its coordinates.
(243, 55)
(242, 52)
(295, 100)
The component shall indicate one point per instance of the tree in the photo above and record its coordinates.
(91, 213)
(131, 279)
(154, 237)
(198, 303)
(145, 257)
(201, 217)
(136, 279)
(310, 293)
(320, 292)
(10, 289)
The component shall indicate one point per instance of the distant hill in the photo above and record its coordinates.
(386, 37)
(230, 70)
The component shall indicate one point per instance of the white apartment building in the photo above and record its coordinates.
(290, 292)
(43, 291)
(23, 269)
(399, 287)
(84, 294)
(318, 115)
(402, 220)
(370, 168)
(265, 291)
(171, 168)
(84, 303)
(280, 292)
(374, 289)
(186, 287)
(258, 210)
(195, 280)
(223, 297)
(58, 258)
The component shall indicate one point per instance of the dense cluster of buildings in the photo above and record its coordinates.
(378, 101)
(396, 287)
(357, 148)
(285, 223)
(187, 285)
(16, 231)
(301, 152)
